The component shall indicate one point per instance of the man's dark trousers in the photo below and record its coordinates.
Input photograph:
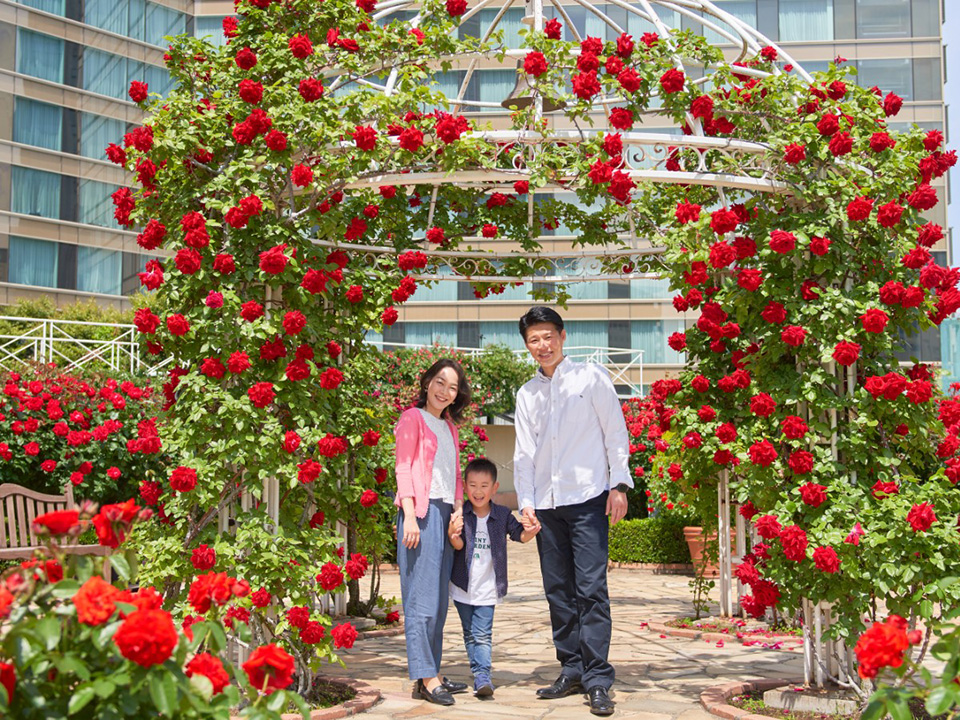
(573, 561)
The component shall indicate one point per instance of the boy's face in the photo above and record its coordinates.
(481, 488)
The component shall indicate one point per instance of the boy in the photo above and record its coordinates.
(479, 579)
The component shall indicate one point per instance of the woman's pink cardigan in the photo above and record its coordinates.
(416, 449)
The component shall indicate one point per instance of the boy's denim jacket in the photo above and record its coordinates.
(500, 523)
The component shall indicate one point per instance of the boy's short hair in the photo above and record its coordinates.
(480, 465)
(537, 315)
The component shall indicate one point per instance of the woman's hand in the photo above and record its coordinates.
(455, 528)
(411, 532)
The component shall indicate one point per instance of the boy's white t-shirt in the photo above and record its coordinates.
(482, 587)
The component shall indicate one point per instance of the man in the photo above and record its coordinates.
(571, 473)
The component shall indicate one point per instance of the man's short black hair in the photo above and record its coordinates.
(537, 315)
(480, 465)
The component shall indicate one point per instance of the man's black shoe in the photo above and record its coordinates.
(561, 688)
(600, 702)
(453, 687)
(439, 696)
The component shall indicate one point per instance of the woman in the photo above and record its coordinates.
(429, 491)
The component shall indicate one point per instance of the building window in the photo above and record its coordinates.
(33, 262)
(927, 84)
(105, 73)
(468, 334)
(96, 206)
(431, 333)
(34, 192)
(500, 333)
(211, 28)
(96, 132)
(163, 22)
(39, 55)
(136, 19)
(650, 336)
(98, 270)
(54, 7)
(888, 75)
(37, 123)
(745, 10)
(806, 20)
(883, 18)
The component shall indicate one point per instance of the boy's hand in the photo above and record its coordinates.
(455, 528)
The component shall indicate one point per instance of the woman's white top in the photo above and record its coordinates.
(443, 484)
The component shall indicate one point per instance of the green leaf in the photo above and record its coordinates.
(48, 630)
(104, 688)
(941, 699)
(80, 699)
(70, 664)
(65, 589)
(120, 566)
(898, 709)
(163, 690)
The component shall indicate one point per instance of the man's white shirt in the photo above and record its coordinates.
(572, 441)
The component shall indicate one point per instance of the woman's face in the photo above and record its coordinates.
(442, 390)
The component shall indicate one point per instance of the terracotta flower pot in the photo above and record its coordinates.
(697, 543)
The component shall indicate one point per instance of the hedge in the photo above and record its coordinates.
(650, 540)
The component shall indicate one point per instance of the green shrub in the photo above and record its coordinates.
(650, 540)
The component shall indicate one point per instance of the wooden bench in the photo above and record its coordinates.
(19, 507)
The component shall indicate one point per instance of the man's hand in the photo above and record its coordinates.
(616, 506)
(528, 518)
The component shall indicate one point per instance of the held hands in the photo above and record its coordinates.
(411, 532)
(616, 506)
(528, 518)
(455, 528)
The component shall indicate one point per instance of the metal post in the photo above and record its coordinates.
(807, 642)
(726, 564)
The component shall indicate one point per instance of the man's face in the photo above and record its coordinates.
(545, 344)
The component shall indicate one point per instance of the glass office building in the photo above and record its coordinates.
(66, 65)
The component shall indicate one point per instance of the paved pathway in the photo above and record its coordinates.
(657, 678)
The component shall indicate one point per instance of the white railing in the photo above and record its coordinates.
(47, 340)
(620, 362)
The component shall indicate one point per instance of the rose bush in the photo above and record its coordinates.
(74, 645)
(90, 431)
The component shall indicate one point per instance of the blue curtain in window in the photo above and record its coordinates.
(637, 25)
(37, 123)
(806, 21)
(96, 132)
(501, 333)
(105, 73)
(650, 336)
(510, 25)
(33, 262)
(162, 21)
(39, 55)
(98, 270)
(587, 333)
(55, 7)
(34, 192)
(883, 18)
(442, 291)
(495, 86)
(136, 12)
(430, 333)
(96, 207)
(156, 77)
(211, 28)
(745, 10)
(374, 338)
(107, 15)
(649, 288)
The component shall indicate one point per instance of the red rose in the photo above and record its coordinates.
(210, 667)
(294, 322)
(250, 91)
(621, 118)
(147, 637)
(455, 8)
(389, 316)
(629, 80)
(749, 279)
(880, 141)
(794, 427)
(762, 405)
(859, 209)
(344, 635)
(330, 577)
(923, 198)
(178, 325)
(677, 341)
(245, 59)
(276, 141)
(892, 104)
(687, 212)
(331, 378)
(411, 139)
(270, 668)
(801, 462)
(882, 646)
(310, 89)
(301, 175)
(183, 479)
(874, 320)
(794, 542)
(251, 310)
(813, 494)
(369, 498)
(767, 527)
(274, 260)
(364, 137)
(723, 221)
(57, 522)
(371, 438)
(702, 107)
(672, 81)
(774, 313)
(203, 557)
(261, 394)
(782, 242)
(841, 144)
(300, 46)
(794, 153)
(585, 85)
(138, 91)
(921, 517)
(762, 453)
(552, 29)
(846, 353)
(919, 392)
(793, 335)
(889, 215)
(535, 64)
(828, 125)
(223, 264)
(826, 560)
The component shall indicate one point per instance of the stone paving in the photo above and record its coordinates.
(658, 678)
